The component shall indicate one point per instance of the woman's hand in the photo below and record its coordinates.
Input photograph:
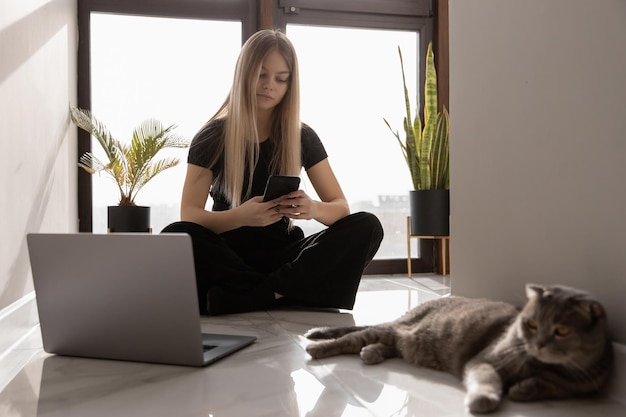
(258, 213)
(332, 205)
(296, 205)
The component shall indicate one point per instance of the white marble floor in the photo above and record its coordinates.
(273, 377)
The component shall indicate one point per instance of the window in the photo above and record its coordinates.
(350, 81)
(194, 24)
(347, 87)
(140, 71)
(362, 33)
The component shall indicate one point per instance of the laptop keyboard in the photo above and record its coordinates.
(206, 348)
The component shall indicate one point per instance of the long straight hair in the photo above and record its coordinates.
(239, 112)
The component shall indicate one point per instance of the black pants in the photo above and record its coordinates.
(240, 270)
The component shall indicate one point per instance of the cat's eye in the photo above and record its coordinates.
(532, 324)
(562, 331)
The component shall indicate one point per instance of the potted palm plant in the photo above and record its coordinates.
(426, 150)
(131, 166)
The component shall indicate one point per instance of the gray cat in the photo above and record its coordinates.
(557, 346)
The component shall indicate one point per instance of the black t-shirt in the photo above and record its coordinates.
(207, 142)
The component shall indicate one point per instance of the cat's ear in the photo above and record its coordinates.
(592, 307)
(534, 290)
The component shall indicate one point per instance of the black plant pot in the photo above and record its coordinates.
(430, 212)
(122, 219)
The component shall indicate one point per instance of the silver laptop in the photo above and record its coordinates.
(124, 297)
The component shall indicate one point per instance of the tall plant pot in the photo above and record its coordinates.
(122, 219)
(430, 212)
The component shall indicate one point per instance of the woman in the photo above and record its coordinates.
(247, 254)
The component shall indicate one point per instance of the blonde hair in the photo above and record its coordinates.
(239, 111)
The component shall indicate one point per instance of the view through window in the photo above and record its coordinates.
(179, 71)
(347, 87)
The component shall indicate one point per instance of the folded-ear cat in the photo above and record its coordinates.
(556, 346)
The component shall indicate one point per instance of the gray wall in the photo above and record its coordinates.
(38, 157)
(538, 142)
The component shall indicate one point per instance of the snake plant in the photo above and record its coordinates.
(130, 165)
(426, 145)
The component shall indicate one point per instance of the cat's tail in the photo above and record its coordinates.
(319, 333)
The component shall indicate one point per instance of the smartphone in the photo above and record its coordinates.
(279, 185)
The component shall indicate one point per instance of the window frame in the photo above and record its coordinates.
(242, 10)
(254, 15)
(413, 15)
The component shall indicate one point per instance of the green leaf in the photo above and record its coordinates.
(426, 146)
(441, 152)
(130, 166)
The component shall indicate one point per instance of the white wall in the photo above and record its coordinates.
(538, 148)
(37, 161)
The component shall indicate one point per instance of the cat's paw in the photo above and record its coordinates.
(316, 350)
(526, 390)
(317, 333)
(482, 402)
(371, 355)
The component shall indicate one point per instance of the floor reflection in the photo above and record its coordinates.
(274, 377)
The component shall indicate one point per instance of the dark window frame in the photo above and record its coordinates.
(413, 15)
(254, 15)
(241, 10)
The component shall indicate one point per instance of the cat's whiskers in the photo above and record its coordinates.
(579, 373)
(510, 354)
